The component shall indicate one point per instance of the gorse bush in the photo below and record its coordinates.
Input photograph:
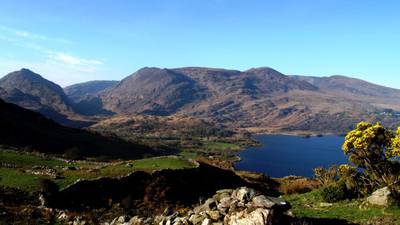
(375, 150)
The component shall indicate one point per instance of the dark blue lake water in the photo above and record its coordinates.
(284, 155)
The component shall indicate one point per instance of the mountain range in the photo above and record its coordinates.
(255, 100)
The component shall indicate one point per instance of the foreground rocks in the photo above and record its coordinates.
(242, 206)
(380, 197)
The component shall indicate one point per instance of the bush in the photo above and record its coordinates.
(337, 192)
(325, 176)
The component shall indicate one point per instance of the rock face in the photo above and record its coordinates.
(230, 207)
(380, 197)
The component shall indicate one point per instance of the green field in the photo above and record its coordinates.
(309, 205)
(67, 173)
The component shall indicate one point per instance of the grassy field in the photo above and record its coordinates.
(24, 166)
(309, 205)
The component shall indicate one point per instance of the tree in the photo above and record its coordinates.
(375, 150)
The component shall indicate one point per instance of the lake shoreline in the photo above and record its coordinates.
(281, 155)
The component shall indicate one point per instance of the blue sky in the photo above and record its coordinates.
(70, 41)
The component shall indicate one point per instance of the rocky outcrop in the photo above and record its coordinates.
(242, 206)
(152, 189)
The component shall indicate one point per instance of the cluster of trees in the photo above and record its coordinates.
(374, 155)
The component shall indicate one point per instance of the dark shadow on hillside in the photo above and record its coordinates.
(28, 130)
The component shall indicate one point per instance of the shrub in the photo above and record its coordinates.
(326, 176)
(337, 192)
(375, 150)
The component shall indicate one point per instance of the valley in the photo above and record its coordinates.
(163, 140)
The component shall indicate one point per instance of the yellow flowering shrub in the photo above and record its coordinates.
(375, 149)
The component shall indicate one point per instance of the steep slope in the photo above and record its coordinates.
(152, 91)
(26, 129)
(82, 91)
(31, 91)
(85, 97)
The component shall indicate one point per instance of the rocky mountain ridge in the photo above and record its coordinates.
(255, 100)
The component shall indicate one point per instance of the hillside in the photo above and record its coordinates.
(152, 91)
(84, 97)
(31, 91)
(27, 130)
(81, 91)
(257, 100)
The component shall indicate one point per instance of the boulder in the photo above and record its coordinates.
(259, 216)
(243, 194)
(380, 197)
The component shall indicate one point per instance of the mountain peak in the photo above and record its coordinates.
(23, 73)
(263, 71)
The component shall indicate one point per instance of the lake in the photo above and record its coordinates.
(284, 155)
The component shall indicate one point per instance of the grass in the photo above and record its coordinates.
(20, 176)
(309, 205)
(220, 146)
(28, 160)
(18, 179)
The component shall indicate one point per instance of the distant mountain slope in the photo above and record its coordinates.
(41, 91)
(259, 99)
(23, 128)
(31, 91)
(82, 91)
(351, 86)
(256, 100)
(85, 97)
(152, 91)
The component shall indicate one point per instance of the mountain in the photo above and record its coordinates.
(356, 88)
(257, 100)
(152, 91)
(26, 129)
(30, 90)
(82, 91)
(84, 97)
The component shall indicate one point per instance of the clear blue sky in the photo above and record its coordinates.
(71, 41)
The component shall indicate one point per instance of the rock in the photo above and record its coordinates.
(206, 221)
(225, 204)
(137, 221)
(257, 217)
(243, 194)
(119, 221)
(210, 204)
(63, 216)
(196, 219)
(270, 202)
(78, 221)
(262, 202)
(227, 207)
(228, 191)
(214, 215)
(219, 196)
(380, 197)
